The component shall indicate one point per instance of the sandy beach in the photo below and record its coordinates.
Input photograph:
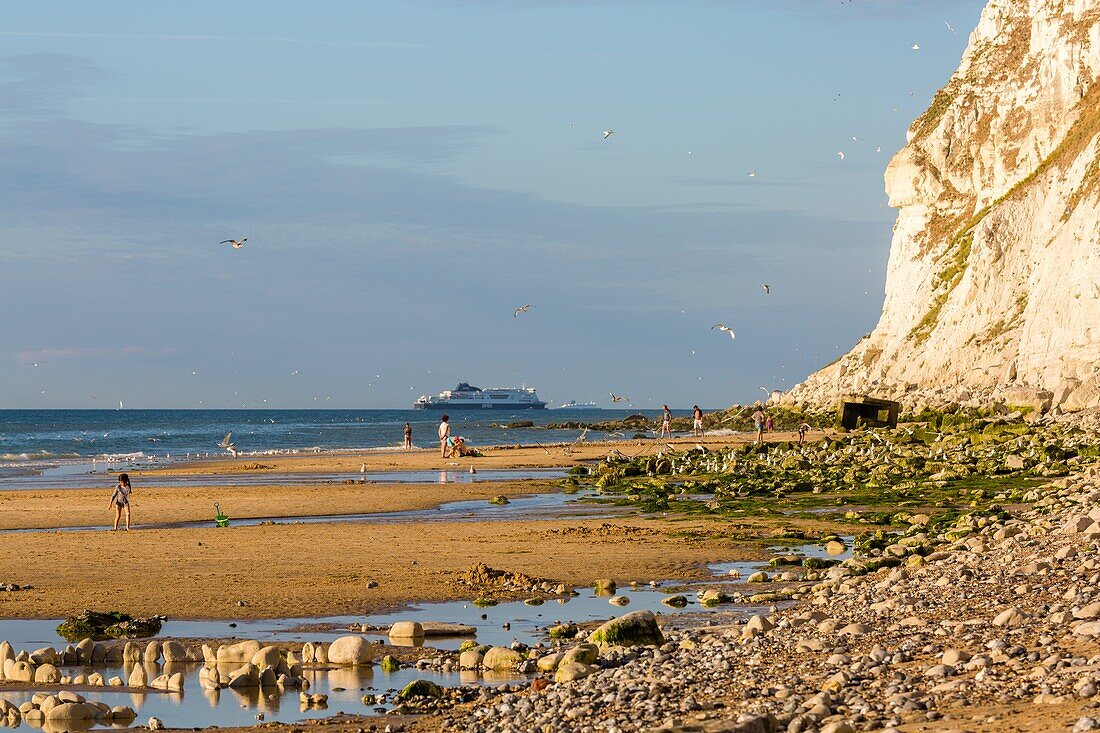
(288, 569)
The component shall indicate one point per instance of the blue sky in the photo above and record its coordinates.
(409, 173)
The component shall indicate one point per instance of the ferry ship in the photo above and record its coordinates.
(467, 397)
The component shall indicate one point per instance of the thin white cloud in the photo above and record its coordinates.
(208, 39)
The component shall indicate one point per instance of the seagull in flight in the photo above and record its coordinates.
(950, 28)
(915, 46)
(227, 444)
(752, 173)
(767, 289)
(724, 328)
(840, 153)
(618, 398)
(236, 243)
(608, 133)
(521, 309)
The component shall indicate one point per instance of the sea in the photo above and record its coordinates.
(35, 440)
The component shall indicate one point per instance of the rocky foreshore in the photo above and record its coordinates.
(1004, 617)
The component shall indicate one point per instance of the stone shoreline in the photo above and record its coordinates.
(1007, 616)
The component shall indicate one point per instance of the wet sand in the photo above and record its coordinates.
(323, 569)
(526, 455)
(85, 507)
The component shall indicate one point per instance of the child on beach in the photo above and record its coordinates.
(666, 423)
(769, 424)
(120, 500)
(697, 422)
(408, 436)
(444, 436)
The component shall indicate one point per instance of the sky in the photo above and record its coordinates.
(407, 174)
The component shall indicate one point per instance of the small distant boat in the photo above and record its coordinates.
(574, 405)
(468, 397)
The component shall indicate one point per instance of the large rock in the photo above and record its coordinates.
(246, 677)
(138, 677)
(569, 671)
(350, 651)
(406, 630)
(20, 672)
(240, 653)
(268, 656)
(74, 711)
(47, 674)
(638, 628)
(502, 659)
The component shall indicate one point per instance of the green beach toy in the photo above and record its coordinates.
(220, 520)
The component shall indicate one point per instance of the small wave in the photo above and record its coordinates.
(119, 457)
(41, 455)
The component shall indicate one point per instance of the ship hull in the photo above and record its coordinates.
(453, 407)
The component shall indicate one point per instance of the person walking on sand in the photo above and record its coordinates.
(408, 437)
(758, 418)
(697, 422)
(666, 423)
(120, 500)
(444, 435)
(802, 430)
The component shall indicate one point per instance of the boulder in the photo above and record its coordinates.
(268, 656)
(122, 713)
(67, 711)
(240, 653)
(550, 662)
(501, 659)
(138, 677)
(20, 672)
(45, 655)
(421, 688)
(470, 659)
(177, 652)
(175, 682)
(47, 674)
(84, 651)
(605, 586)
(131, 653)
(567, 672)
(406, 630)
(638, 628)
(246, 677)
(152, 652)
(582, 653)
(1010, 617)
(350, 651)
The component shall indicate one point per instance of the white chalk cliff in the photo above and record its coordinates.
(993, 283)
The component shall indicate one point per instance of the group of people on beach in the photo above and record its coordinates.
(452, 446)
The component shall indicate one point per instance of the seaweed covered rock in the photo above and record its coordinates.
(108, 625)
(638, 628)
(421, 688)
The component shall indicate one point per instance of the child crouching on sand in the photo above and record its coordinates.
(120, 500)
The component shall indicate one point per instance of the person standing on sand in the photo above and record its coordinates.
(444, 435)
(769, 424)
(666, 423)
(120, 500)
(408, 437)
(758, 418)
(802, 430)
(697, 422)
